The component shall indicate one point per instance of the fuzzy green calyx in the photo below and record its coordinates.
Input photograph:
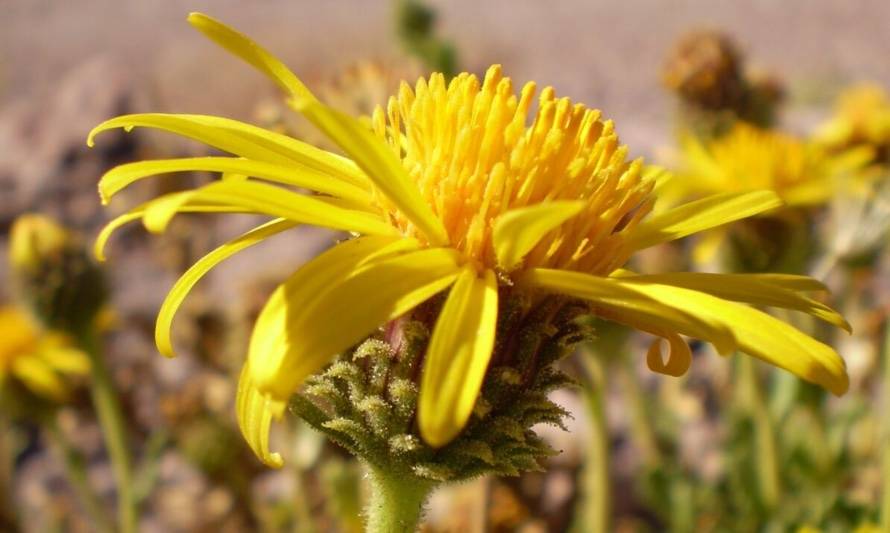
(366, 400)
(54, 275)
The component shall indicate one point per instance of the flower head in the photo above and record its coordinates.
(38, 360)
(53, 273)
(461, 187)
(862, 118)
(705, 68)
(749, 158)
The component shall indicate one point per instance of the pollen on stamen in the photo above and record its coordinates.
(477, 150)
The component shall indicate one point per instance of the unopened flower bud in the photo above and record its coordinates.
(54, 274)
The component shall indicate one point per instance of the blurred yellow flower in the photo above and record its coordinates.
(861, 118)
(451, 187)
(749, 158)
(33, 239)
(37, 359)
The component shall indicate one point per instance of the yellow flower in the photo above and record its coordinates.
(453, 188)
(749, 158)
(862, 118)
(37, 359)
(34, 240)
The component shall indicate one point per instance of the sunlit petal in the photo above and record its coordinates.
(516, 232)
(184, 284)
(458, 356)
(334, 302)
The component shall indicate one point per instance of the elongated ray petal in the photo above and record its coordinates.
(248, 50)
(255, 413)
(295, 174)
(380, 164)
(184, 284)
(39, 376)
(458, 357)
(267, 199)
(138, 212)
(306, 322)
(370, 153)
(757, 333)
(516, 232)
(700, 215)
(239, 138)
(791, 282)
(748, 289)
(636, 305)
(58, 354)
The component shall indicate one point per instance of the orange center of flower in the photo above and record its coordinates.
(469, 148)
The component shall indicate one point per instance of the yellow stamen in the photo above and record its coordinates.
(468, 147)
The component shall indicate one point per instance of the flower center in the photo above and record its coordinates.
(468, 147)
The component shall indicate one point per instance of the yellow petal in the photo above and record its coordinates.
(381, 165)
(791, 282)
(776, 342)
(334, 302)
(184, 284)
(108, 230)
(458, 356)
(516, 232)
(295, 174)
(38, 376)
(269, 200)
(138, 212)
(370, 153)
(241, 139)
(255, 415)
(748, 289)
(756, 332)
(62, 357)
(635, 305)
(700, 215)
(248, 50)
(679, 356)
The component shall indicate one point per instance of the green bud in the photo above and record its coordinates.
(54, 274)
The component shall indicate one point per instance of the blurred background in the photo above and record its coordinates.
(67, 66)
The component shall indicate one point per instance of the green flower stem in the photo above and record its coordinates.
(766, 452)
(595, 513)
(76, 472)
(885, 445)
(397, 501)
(111, 419)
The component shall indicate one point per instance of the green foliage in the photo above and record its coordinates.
(415, 26)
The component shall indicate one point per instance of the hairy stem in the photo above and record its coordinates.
(397, 501)
(595, 513)
(108, 410)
